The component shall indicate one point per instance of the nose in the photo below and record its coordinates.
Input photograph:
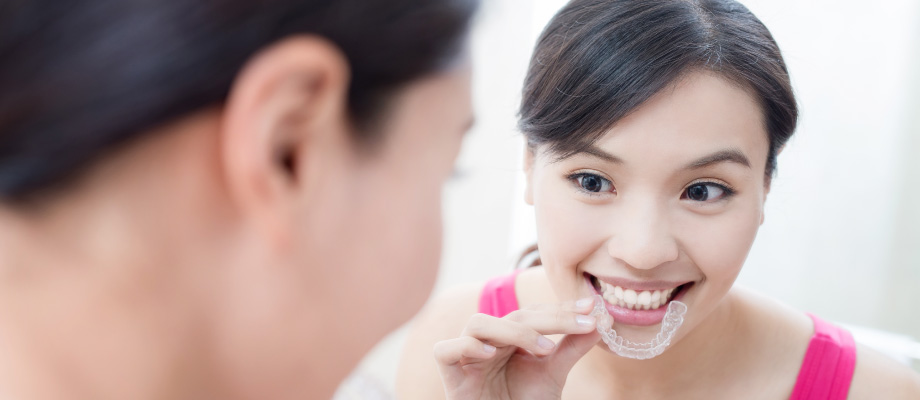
(641, 236)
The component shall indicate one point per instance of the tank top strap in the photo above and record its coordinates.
(498, 297)
(829, 362)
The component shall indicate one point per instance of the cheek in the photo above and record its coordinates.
(569, 233)
(385, 237)
(409, 235)
(418, 237)
(719, 245)
(392, 252)
(410, 240)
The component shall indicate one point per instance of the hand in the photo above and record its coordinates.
(510, 358)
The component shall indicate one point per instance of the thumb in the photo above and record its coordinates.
(571, 349)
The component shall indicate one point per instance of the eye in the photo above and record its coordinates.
(592, 183)
(706, 192)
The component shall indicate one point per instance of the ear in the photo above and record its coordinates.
(528, 172)
(286, 115)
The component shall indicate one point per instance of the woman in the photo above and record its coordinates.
(219, 200)
(653, 130)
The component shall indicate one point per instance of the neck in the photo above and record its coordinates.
(307, 344)
(95, 326)
(101, 293)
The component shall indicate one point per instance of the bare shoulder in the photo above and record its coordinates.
(444, 317)
(778, 337)
(877, 376)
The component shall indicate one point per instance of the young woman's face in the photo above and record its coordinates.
(665, 205)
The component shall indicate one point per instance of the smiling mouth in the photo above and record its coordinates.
(635, 299)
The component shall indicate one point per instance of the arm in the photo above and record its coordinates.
(879, 377)
(444, 317)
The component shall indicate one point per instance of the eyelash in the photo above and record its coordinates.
(574, 179)
(727, 191)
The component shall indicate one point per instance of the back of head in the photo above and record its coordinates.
(598, 60)
(186, 187)
(78, 78)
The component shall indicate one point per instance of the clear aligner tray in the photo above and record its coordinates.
(672, 321)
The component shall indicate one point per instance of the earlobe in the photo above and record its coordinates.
(528, 173)
(284, 116)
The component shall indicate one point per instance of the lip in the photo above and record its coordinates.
(639, 317)
(639, 285)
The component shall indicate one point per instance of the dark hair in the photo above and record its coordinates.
(598, 60)
(80, 77)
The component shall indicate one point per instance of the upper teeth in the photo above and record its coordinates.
(642, 300)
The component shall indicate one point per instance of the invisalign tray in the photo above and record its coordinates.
(672, 321)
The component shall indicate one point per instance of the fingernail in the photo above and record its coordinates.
(585, 302)
(584, 320)
(545, 343)
(488, 348)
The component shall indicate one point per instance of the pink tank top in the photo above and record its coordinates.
(825, 374)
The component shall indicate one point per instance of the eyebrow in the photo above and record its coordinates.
(603, 155)
(730, 155)
(722, 156)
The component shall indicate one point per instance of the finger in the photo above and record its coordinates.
(451, 355)
(571, 349)
(450, 352)
(551, 321)
(580, 306)
(502, 332)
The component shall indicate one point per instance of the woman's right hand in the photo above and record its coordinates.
(510, 358)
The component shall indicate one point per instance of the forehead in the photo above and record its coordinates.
(698, 115)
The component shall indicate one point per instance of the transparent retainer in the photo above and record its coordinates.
(672, 321)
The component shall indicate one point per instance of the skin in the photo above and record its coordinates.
(643, 227)
(219, 256)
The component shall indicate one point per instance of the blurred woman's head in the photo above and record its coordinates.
(653, 129)
(235, 189)
(82, 77)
